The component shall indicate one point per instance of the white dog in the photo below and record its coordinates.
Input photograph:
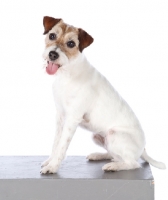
(84, 97)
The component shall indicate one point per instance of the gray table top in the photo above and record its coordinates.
(73, 167)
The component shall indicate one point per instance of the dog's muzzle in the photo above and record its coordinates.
(52, 67)
(53, 55)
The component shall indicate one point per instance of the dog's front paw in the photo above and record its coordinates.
(50, 168)
(46, 162)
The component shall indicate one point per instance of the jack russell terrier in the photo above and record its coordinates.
(83, 97)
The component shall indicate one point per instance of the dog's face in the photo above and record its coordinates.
(63, 43)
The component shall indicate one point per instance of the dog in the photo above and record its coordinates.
(83, 97)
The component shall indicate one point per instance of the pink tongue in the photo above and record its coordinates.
(51, 68)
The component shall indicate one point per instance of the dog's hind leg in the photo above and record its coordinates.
(99, 140)
(125, 148)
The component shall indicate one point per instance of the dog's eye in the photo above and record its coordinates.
(71, 44)
(52, 36)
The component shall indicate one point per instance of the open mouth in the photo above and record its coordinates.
(52, 68)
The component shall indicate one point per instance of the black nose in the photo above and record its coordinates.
(53, 55)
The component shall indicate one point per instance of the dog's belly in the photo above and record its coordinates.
(90, 125)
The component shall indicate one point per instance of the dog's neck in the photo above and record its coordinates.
(77, 65)
(78, 60)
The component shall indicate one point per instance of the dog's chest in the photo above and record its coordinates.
(64, 92)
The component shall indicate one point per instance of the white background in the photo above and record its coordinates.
(130, 48)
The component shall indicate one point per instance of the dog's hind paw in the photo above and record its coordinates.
(98, 156)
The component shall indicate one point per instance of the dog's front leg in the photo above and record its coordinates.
(59, 127)
(66, 136)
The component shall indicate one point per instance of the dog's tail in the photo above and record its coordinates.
(154, 163)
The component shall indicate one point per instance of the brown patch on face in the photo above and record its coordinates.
(63, 26)
(48, 23)
(70, 33)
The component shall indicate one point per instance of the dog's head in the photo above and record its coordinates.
(63, 43)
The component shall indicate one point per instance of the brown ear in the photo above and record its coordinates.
(84, 39)
(48, 23)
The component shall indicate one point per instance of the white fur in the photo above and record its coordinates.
(83, 97)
